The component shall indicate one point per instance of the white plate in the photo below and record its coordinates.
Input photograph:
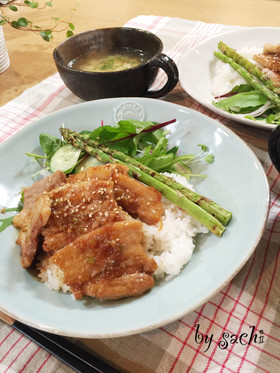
(214, 262)
(196, 67)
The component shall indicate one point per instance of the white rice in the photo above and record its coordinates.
(225, 77)
(52, 276)
(170, 243)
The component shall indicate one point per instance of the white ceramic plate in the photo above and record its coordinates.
(196, 67)
(236, 180)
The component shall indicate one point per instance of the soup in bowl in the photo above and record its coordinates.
(122, 59)
(114, 62)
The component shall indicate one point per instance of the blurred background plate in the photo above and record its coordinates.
(197, 66)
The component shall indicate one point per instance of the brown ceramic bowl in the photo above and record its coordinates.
(134, 81)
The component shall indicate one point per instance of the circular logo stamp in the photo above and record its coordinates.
(129, 110)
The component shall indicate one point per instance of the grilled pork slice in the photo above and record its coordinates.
(34, 215)
(107, 263)
(134, 197)
(131, 285)
(103, 172)
(271, 48)
(270, 61)
(273, 75)
(79, 208)
(28, 237)
(31, 193)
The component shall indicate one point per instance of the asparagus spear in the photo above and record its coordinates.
(175, 196)
(270, 95)
(249, 66)
(220, 213)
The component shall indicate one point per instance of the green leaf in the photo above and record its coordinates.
(273, 119)
(104, 134)
(69, 33)
(244, 102)
(15, 24)
(27, 2)
(173, 150)
(161, 163)
(209, 158)
(203, 147)
(48, 3)
(250, 117)
(126, 146)
(2, 22)
(161, 147)
(22, 197)
(85, 132)
(33, 4)
(46, 36)
(5, 223)
(13, 8)
(71, 26)
(22, 22)
(145, 139)
(126, 126)
(182, 159)
(241, 88)
(50, 144)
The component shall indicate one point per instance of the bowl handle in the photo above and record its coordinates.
(168, 65)
(274, 147)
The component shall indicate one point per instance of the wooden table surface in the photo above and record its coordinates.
(31, 57)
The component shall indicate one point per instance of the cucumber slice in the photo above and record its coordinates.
(86, 163)
(65, 159)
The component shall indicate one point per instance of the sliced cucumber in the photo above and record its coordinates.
(86, 163)
(65, 159)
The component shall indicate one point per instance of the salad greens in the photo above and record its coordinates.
(144, 140)
(259, 98)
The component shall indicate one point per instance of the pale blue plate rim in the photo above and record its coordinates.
(215, 262)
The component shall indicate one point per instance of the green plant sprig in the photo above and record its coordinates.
(25, 24)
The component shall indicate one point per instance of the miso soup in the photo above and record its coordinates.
(121, 59)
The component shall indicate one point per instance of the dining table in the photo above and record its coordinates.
(31, 88)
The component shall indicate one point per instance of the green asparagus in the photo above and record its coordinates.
(249, 66)
(270, 95)
(151, 178)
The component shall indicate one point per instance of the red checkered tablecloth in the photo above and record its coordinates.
(213, 337)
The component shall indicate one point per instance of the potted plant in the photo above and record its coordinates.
(24, 24)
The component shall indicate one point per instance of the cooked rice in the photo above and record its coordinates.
(52, 276)
(170, 243)
(225, 77)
